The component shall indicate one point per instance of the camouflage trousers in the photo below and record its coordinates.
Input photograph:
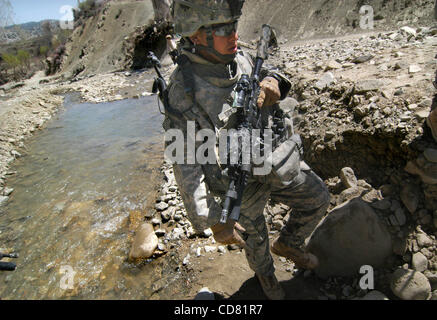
(308, 198)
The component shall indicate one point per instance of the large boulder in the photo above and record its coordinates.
(349, 237)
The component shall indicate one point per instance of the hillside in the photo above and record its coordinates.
(116, 37)
(298, 20)
(26, 31)
(99, 44)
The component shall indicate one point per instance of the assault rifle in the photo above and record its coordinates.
(245, 103)
(8, 266)
(160, 85)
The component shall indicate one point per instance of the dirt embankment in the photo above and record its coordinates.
(118, 37)
(100, 44)
(299, 20)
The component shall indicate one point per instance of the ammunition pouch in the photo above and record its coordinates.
(286, 160)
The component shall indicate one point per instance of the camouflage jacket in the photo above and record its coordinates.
(202, 186)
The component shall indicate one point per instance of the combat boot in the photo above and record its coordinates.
(431, 121)
(271, 287)
(304, 260)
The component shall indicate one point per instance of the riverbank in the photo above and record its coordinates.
(26, 106)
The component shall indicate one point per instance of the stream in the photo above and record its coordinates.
(78, 187)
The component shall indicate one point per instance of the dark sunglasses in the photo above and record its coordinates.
(225, 29)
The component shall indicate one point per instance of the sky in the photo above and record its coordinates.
(37, 10)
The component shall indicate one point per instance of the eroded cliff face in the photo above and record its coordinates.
(120, 34)
(298, 20)
(101, 43)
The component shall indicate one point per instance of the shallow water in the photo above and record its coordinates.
(83, 183)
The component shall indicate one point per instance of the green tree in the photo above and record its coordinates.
(23, 58)
(43, 50)
(11, 60)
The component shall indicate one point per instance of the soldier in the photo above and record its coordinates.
(209, 66)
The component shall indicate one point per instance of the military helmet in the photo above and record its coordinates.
(190, 15)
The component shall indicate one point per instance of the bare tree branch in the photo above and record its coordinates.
(6, 16)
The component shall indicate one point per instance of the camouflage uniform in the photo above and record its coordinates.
(203, 187)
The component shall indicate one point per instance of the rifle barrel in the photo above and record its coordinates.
(7, 266)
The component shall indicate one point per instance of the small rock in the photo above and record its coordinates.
(400, 216)
(387, 190)
(233, 247)
(155, 221)
(221, 249)
(430, 155)
(204, 294)
(3, 200)
(408, 31)
(166, 214)
(364, 86)
(375, 295)
(177, 233)
(428, 254)
(414, 69)
(393, 221)
(326, 80)
(419, 262)
(362, 59)
(398, 92)
(289, 104)
(7, 191)
(432, 277)
(426, 103)
(161, 206)
(198, 252)
(209, 249)
(348, 178)
(423, 240)
(349, 194)
(410, 285)
(207, 232)
(278, 224)
(422, 113)
(383, 204)
(332, 65)
(186, 259)
(15, 154)
(347, 291)
(160, 232)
